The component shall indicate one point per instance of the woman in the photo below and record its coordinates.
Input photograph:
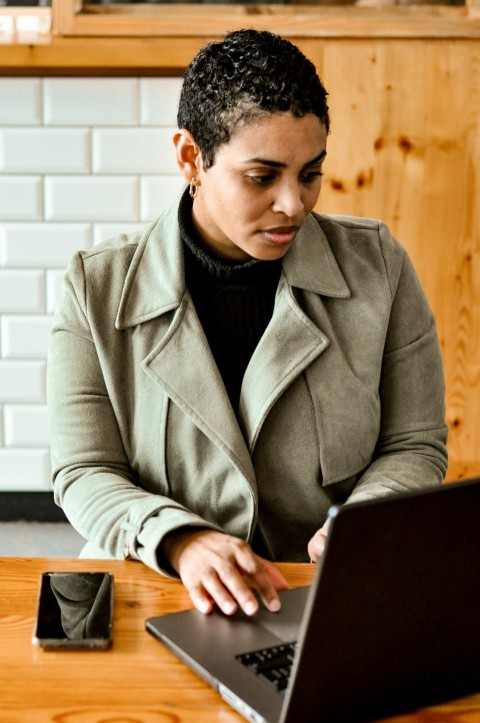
(217, 381)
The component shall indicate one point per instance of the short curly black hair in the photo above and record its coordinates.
(249, 73)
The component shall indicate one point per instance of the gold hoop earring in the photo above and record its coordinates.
(193, 189)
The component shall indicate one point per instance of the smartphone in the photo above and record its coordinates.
(74, 611)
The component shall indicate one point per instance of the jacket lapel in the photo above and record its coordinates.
(291, 341)
(179, 357)
(183, 365)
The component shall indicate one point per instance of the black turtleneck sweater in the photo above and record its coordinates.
(234, 301)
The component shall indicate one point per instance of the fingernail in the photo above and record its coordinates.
(274, 606)
(228, 608)
(251, 608)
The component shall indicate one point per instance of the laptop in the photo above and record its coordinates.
(391, 622)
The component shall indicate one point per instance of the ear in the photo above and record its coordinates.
(189, 158)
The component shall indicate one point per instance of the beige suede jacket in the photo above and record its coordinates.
(343, 399)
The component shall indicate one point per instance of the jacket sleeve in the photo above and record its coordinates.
(411, 449)
(93, 481)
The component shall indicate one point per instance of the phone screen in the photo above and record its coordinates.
(75, 610)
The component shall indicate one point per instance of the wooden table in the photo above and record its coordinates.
(138, 680)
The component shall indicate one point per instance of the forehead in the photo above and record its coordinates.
(281, 137)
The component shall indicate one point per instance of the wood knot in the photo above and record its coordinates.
(404, 144)
(364, 179)
(337, 185)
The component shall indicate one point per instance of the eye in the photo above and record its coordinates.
(310, 176)
(261, 179)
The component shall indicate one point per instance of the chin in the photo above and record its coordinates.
(271, 254)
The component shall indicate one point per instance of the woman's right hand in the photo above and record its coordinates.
(220, 569)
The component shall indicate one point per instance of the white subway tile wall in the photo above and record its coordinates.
(21, 104)
(81, 160)
(44, 150)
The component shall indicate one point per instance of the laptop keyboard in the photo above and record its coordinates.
(273, 665)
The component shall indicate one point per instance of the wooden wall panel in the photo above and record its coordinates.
(405, 147)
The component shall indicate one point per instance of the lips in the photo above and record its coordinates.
(280, 235)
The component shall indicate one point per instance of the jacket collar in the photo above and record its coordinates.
(155, 282)
(310, 263)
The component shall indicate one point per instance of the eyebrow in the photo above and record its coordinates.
(278, 164)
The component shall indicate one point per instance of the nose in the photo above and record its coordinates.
(288, 199)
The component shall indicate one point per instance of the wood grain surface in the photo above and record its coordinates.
(138, 680)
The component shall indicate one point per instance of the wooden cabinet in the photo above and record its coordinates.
(295, 20)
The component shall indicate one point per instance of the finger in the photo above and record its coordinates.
(224, 585)
(279, 582)
(201, 600)
(263, 577)
(316, 546)
(240, 587)
(267, 591)
(238, 574)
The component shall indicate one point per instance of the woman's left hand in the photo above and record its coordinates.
(316, 546)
